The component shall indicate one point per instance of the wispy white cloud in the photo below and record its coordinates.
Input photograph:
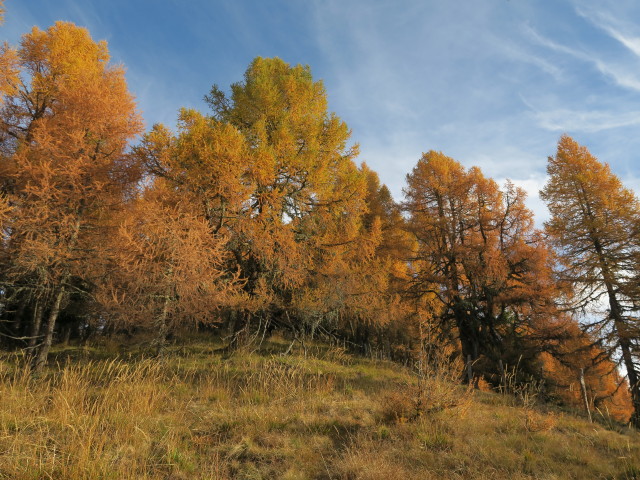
(565, 120)
(632, 43)
(621, 75)
(614, 27)
(547, 42)
(543, 64)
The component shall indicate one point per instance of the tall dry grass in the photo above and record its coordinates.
(193, 415)
(152, 418)
(95, 420)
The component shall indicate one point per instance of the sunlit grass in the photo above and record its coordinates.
(196, 415)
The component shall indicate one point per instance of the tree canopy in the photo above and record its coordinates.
(259, 217)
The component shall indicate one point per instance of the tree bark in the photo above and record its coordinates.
(620, 328)
(36, 323)
(161, 325)
(40, 358)
(585, 398)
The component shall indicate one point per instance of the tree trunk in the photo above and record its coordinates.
(161, 325)
(36, 322)
(620, 326)
(40, 358)
(503, 377)
(585, 398)
(18, 320)
(632, 374)
(625, 346)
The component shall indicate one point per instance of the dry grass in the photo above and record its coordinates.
(193, 415)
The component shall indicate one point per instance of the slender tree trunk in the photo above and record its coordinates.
(66, 336)
(620, 327)
(632, 374)
(585, 398)
(161, 325)
(36, 322)
(18, 320)
(625, 347)
(40, 358)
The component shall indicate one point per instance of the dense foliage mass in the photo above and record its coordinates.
(254, 217)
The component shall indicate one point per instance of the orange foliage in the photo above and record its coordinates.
(167, 267)
(594, 225)
(478, 254)
(607, 390)
(65, 130)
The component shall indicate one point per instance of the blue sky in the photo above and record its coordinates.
(492, 83)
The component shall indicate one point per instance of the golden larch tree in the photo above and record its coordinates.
(64, 133)
(166, 268)
(302, 231)
(594, 227)
(479, 255)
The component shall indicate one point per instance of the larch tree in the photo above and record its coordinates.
(393, 329)
(576, 358)
(271, 171)
(478, 254)
(396, 240)
(167, 268)
(594, 227)
(208, 162)
(65, 128)
(303, 223)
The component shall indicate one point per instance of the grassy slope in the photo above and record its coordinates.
(194, 415)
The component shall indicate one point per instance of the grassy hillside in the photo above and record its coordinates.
(196, 415)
